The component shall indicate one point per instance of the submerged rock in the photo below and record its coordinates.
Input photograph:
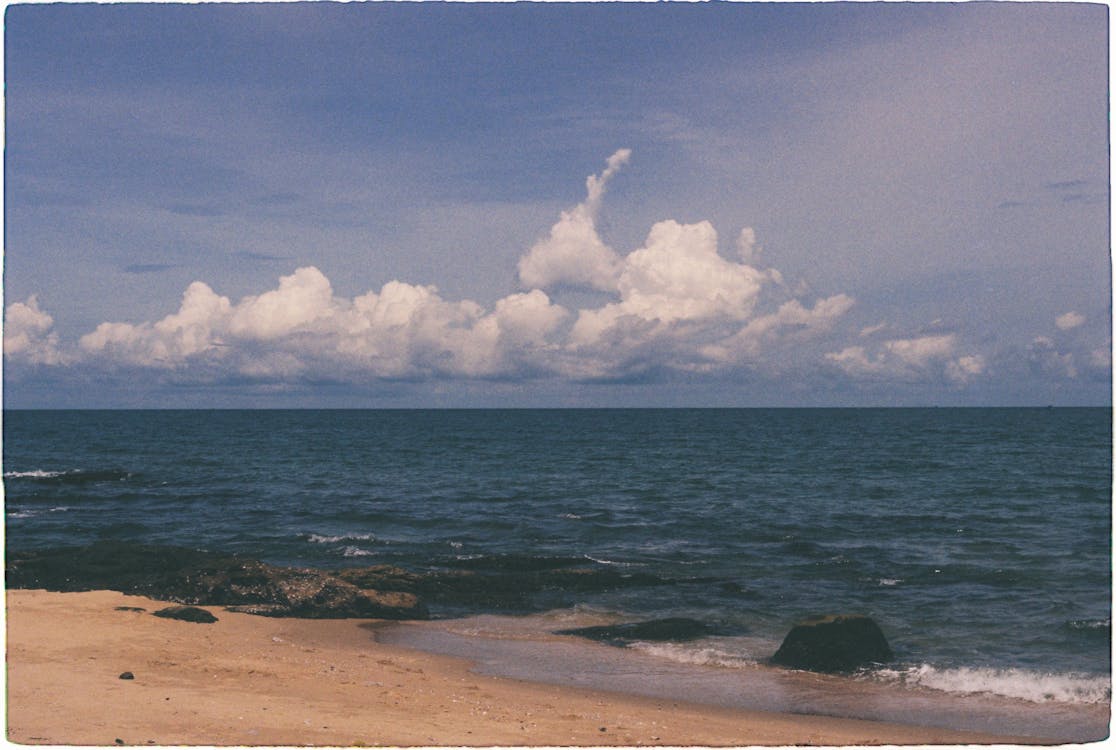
(834, 643)
(496, 582)
(667, 629)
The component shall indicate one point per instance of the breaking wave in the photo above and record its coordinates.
(1037, 687)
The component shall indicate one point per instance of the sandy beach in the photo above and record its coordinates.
(248, 680)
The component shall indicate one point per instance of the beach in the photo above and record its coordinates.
(249, 680)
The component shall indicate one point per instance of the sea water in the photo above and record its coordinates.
(979, 539)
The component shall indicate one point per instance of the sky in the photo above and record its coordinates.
(556, 205)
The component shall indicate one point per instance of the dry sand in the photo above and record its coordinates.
(249, 680)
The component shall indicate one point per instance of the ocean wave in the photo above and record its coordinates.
(356, 552)
(36, 474)
(1037, 687)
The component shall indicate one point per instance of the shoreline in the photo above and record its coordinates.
(251, 680)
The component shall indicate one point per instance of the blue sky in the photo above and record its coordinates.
(556, 205)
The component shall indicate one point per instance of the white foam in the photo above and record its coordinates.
(1037, 687)
(36, 474)
(1104, 624)
(32, 513)
(608, 562)
(356, 552)
(323, 539)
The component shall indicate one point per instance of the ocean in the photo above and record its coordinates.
(979, 539)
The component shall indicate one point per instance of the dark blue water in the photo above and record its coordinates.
(980, 539)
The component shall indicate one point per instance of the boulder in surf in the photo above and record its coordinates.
(834, 643)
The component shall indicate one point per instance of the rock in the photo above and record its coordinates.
(127, 676)
(667, 629)
(189, 614)
(833, 643)
(129, 609)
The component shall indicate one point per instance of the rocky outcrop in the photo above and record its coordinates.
(515, 583)
(195, 577)
(834, 643)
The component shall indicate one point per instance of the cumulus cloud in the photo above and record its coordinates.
(28, 336)
(921, 358)
(574, 253)
(676, 276)
(303, 328)
(1069, 320)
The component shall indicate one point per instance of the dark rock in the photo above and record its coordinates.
(667, 629)
(127, 676)
(129, 609)
(834, 643)
(189, 614)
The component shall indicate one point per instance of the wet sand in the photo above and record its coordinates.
(248, 680)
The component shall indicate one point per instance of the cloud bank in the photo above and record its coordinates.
(674, 304)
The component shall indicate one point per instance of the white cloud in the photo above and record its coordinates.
(746, 246)
(964, 369)
(922, 358)
(28, 336)
(1069, 320)
(791, 319)
(574, 253)
(920, 351)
